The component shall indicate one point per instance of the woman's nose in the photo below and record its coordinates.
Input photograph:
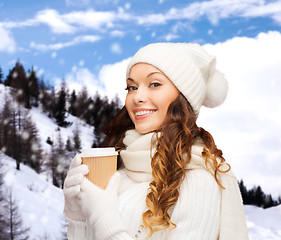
(140, 95)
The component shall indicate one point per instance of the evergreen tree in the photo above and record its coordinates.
(52, 166)
(88, 115)
(76, 139)
(98, 118)
(15, 230)
(58, 161)
(243, 191)
(18, 135)
(268, 201)
(18, 81)
(3, 219)
(32, 152)
(62, 166)
(60, 107)
(47, 99)
(73, 104)
(33, 85)
(8, 130)
(103, 112)
(259, 197)
(68, 145)
(1, 75)
(8, 79)
(82, 104)
(255, 196)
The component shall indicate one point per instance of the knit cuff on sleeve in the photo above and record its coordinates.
(76, 230)
(108, 226)
(73, 215)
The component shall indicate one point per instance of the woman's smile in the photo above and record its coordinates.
(142, 113)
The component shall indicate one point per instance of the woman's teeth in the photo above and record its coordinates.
(143, 113)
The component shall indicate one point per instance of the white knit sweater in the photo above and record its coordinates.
(203, 211)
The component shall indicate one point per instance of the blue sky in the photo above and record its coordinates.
(89, 43)
(56, 35)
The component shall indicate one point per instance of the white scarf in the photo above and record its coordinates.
(137, 161)
(137, 156)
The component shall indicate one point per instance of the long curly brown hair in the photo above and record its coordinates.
(173, 152)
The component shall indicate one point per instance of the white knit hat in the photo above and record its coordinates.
(190, 68)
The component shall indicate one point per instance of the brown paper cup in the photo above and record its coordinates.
(102, 163)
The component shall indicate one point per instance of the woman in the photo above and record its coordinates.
(172, 182)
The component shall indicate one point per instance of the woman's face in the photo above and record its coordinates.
(149, 95)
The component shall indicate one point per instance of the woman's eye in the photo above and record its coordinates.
(131, 88)
(156, 84)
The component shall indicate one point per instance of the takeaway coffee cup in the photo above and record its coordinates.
(102, 163)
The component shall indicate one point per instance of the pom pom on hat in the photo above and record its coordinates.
(190, 68)
(216, 91)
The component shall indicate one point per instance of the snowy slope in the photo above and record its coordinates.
(40, 203)
(41, 206)
(47, 127)
(264, 224)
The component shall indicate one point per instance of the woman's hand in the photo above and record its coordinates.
(101, 207)
(71, 189)
(96, 202)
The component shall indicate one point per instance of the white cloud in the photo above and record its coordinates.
(54, 55)
(81, 63)
(116, 48)
(215, 10)
(272, 9)
(7, 42)
(82, 77)
(90, 19)
(152, 19)
(138, 38)
(113, 76)
(110, 81)
(57, 46)
(117, 33)
(72, 21)
(247, 126)
(55, 21)
(176, 29)
(40, 72)
(171, 36)
(127, 6)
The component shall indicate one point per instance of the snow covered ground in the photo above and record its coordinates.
(40, 202)
(264, 224)
(41, 206)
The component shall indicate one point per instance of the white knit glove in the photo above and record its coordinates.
(101, 207)
(71, 189)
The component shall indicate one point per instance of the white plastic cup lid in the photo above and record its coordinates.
(98, 152)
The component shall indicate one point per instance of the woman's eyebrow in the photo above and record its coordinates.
(150, 74)
(130, 79)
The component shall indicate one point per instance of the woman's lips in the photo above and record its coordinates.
(143, 113)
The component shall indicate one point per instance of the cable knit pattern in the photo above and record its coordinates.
(202, 212)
